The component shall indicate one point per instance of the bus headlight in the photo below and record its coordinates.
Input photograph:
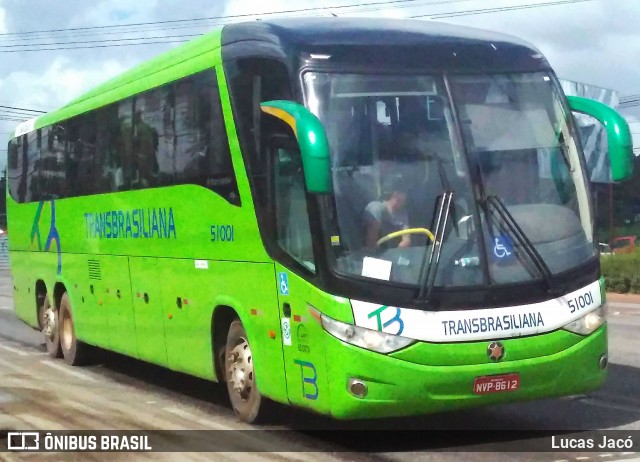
(368, 339)
(589, 322)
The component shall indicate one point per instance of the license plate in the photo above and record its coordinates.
(496, 384)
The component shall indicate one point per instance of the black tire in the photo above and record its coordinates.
(74, 352)
(247, 402)
(49, 326)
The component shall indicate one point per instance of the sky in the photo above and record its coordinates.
(590, 41)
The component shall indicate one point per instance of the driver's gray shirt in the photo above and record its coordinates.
(389, 222)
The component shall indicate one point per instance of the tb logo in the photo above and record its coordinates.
(310, 378)
(394, 320)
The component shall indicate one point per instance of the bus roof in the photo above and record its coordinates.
(333, 31)
(310, 34)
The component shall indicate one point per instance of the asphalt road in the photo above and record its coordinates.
(37, 392)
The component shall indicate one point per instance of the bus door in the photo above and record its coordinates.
(111, 294)
(146, 294)
(304, 363)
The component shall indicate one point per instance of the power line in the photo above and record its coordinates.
(22, 109)
(172, 38)
(206, 22)
(80, 45)
(497, 9)
(98, 41)
(243, 15)
(92, 46)
(17, 114)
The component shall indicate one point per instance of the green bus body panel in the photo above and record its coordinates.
(171, 222)
(305, 358)
(399, 388)
(516, 349)
(618, 134)
(148, 303)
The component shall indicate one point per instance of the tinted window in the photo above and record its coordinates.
(174, 134)
(292, 218)
(200, 138)
(252, 81)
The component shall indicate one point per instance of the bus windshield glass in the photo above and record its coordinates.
(397, 148)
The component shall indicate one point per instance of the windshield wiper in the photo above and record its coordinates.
(429, 268)
(522, 238)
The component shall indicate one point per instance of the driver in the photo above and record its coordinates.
(390, 214)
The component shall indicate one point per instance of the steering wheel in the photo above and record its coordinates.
(400, 233)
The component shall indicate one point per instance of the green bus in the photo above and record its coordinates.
(360, 217)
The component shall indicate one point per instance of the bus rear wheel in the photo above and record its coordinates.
(49, 326)
(249, 405)
(75, 352)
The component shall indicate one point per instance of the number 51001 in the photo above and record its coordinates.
(222, 233)
(581, 302)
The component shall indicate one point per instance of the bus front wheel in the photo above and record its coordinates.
(249, 405)
(75, 352)
(49, 325)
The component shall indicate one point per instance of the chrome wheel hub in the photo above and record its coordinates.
(66, 336)
(49, 323)
(240, 369)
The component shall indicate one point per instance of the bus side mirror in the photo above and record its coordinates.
(617, 131)
(312, 140)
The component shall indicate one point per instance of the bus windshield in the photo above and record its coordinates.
(398, 146)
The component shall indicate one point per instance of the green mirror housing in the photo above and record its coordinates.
(312, 140)
(618, 134)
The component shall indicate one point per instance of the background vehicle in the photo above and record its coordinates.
(235, 170)
(624, 244)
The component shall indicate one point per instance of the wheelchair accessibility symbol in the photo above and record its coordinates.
(283, 282)
(503, 247)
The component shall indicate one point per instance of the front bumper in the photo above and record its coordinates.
(401, 388)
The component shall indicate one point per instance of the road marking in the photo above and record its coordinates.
(13, 350)
(194, 418)
(23, 373)
(621, 407)
(67, 370)
(605, 455)
(6, 308)
(40, 422)
(625, 305)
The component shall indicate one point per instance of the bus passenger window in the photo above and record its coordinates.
(202, 148)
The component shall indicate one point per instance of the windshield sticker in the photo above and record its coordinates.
(283, 283)
(481, 324)
(502, 247)
(376, 268)
(303, 339)
(286, 331)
